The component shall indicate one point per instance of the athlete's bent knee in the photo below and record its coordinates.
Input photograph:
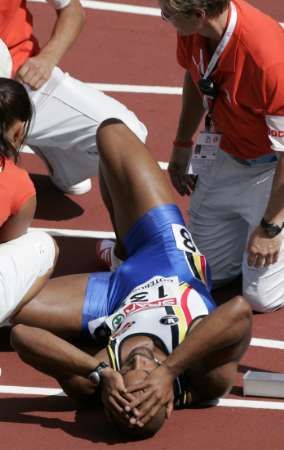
(16, 336)
(242, 309)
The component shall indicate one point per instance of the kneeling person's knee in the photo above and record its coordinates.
(262, 298)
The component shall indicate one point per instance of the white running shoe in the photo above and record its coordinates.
(76, 189)
(105, 254)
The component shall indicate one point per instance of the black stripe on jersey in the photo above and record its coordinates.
(192, 265)
(174, 328)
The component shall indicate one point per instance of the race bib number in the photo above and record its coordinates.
(156, 292)
(183, 239)
(153, 290)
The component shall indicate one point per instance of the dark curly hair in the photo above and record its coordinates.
(14, 105)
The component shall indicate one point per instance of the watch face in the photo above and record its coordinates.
(270, 229)
(273, 230)
(95, 378)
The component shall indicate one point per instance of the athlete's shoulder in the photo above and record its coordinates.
(261, 37)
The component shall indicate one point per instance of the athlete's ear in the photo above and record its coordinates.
(15, 133)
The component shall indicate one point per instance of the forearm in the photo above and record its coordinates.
(192, 110)
(51, 354)
(214, 341)
(275, 207)
(70, 21)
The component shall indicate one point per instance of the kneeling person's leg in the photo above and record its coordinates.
(68, 113)
(26, 264)
(263, 287)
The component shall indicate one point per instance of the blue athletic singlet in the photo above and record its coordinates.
(162, 261)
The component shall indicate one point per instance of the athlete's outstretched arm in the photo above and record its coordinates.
(134, 181)
(208, 356)
(65, 362)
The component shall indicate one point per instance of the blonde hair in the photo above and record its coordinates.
(212, 7)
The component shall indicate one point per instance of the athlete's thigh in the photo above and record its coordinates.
(58, 307)
(134, 180)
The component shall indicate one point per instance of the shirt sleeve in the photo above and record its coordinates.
(274, 89)
(59, 4)
(25, 190)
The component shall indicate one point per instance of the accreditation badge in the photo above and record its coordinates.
(205, 152)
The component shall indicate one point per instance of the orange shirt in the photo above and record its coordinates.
(16, 31)
(249, 110)
(16, 188)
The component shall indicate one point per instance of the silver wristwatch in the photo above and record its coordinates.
(95, 375)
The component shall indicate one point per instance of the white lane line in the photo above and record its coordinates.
(225, 402)
(23, 390)
(122, 7)
(117, 7)
(254, 404)
(267, 343)
(76, 233)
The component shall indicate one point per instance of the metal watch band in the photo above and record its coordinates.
(95, 375)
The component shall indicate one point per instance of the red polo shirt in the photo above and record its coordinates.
(16, 31)
(249, 110)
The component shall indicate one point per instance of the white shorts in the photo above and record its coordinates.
(68, 113)
(227, 204)
(22, 261)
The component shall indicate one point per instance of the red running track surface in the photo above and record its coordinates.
(136, 50)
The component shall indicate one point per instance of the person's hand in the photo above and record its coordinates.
(115, 397)
(262, 250)
(157, 391)
(183, 182)
(36, 71)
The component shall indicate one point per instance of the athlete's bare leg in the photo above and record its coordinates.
(132, 183)
(133, 178)
(58, 307)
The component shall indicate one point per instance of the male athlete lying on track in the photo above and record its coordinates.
(167, 342)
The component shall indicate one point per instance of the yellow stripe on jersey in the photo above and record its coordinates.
(199, 264)
(112, 357)
(182, 323)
